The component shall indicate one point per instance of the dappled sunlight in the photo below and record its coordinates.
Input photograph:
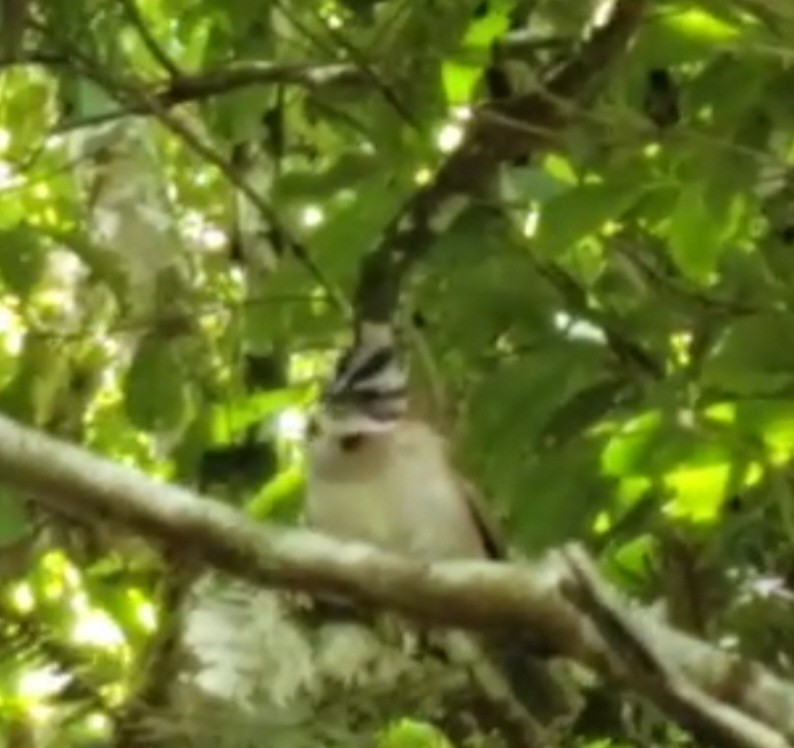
(576, 217)
(450, 136)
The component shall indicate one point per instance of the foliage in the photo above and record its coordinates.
(615, 330)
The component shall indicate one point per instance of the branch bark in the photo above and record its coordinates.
(706, 717)
(501, 131)
(488, 596)
(205, 85)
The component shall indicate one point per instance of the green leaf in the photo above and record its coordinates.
(291, 308)
(698, 491)
(583, 409)
(155, 390)
(481, 257)
(689, 34)
(695, 236)
(654, 443)
(229, 420)
(537, 386)
(754, 356)
(532, 183)
(769, 419)
(85, 98)
(409, 733)
(695, 468)
(696, 23)
(14, 523)
(627, 449)
(557, 496)
(280, 499)
(730, 88)
(482, 32)
(354, 227)
(551, 496)
(36, 388)
(349, 169)
(459, 81)
(630, 562)
(582, 211)
(22, 258)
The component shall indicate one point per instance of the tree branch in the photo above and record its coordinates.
(36, 57)
(189, 87)
(489, 596)
(707, 718)
(201, 86)
(501, 131)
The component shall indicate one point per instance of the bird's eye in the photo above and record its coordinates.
(351, 442)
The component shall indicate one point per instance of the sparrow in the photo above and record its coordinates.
(378, 473)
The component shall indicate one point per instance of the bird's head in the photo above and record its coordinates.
(368, 393)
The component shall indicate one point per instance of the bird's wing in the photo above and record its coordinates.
(492, 535)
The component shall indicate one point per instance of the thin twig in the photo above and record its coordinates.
(371, 74)
(133, 14)
(202, 86)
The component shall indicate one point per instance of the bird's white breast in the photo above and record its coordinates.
(398, 493)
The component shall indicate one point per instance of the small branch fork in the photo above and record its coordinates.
(636, 663)
(561, 601)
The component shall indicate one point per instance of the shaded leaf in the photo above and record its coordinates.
(22, 258)
(14, 522)
(755, 355)
(155, 390)
(583, 210)
(350, 168)
(557, 497)
(695, 235)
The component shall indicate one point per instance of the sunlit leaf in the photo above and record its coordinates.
(484, 30)
(694, 234)
(631, 561)
(686, 34)
(280, 498)
(698, 491)
(459, 81)
(408, 733)
(699, 24)
(458, 78)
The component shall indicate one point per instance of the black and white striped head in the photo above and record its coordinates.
(369, 390)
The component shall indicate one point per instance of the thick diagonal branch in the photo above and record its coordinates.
(493, 596)
(501, 132)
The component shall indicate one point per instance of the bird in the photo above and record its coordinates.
(379, 473)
